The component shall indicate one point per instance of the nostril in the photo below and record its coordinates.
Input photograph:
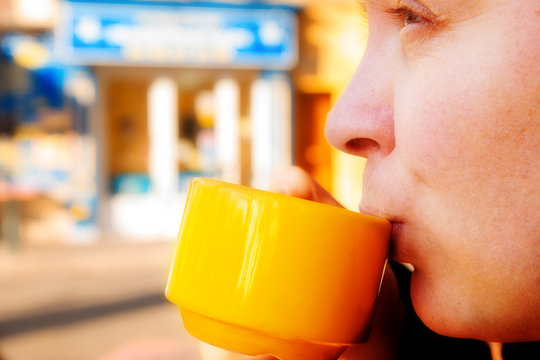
(361, 146)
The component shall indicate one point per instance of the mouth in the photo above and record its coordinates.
(398, 236)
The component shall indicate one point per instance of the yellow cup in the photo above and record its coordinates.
(262, 273)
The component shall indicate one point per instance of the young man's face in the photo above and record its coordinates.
(446, 108)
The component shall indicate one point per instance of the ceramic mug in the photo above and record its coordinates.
(262, 273)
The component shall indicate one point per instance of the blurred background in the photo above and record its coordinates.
(108, 109)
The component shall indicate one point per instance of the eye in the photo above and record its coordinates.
(407, 17)
(416, 23)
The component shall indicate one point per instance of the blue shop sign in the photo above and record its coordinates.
(177, 34)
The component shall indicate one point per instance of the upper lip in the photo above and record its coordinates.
(378, 213)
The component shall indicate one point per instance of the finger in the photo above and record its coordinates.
(296, 182)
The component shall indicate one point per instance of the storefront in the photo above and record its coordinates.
(149, 94)
(185, 90)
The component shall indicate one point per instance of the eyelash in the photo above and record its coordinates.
(406, 16)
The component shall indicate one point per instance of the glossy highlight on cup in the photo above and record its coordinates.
(268, 274)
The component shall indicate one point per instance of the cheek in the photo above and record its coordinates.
(461, 112)
(466, 132)
(434, 125)
(467, 106)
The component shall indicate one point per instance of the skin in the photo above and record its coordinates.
(446, 109)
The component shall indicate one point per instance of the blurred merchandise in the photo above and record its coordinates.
(46, 151)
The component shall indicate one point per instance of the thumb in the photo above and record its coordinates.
(294, 181)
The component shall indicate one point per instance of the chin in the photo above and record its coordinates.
(441, 312)
(446, 313)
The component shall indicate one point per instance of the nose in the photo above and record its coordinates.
(362, 121)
